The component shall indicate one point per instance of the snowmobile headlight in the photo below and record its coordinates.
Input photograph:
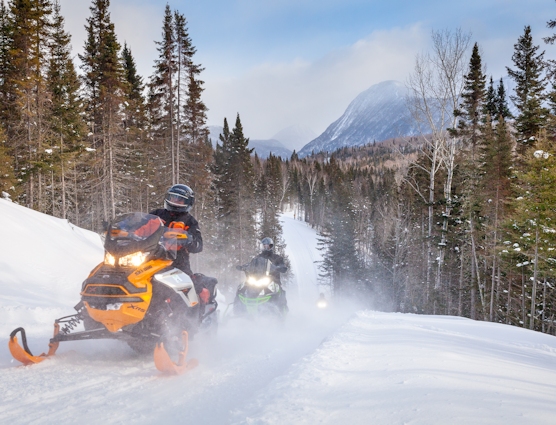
(258, 282)
(109, 259)
(322, 304)
(133, 260)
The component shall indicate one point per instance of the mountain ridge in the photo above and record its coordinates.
(376, 114)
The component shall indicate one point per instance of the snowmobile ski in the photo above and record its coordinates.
(23, 354)
(166, 365)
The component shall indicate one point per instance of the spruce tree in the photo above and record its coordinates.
(140, 170)
(269, 195)
(531, 230)
(184, 54)
(502, 109)
(490, 104)
(8, 181)
(341, 263)
(162, 101)
(529, 92)
(473, 99)
(6, 71)
(494, 192)
(67, 126)
(28, 103)
(105, 86)
(234, 186)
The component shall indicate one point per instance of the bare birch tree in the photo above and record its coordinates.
(434, 90)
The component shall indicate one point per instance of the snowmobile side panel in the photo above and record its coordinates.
(180, 283)
(166, 365)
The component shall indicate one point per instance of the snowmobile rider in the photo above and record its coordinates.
(276, 260)
(176, 213)
(278, 265)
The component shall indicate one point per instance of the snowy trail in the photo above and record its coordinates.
(328, 367)
(108, 383)
(105, 381)
(301, 248)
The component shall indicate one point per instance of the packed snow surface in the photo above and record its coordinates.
(335, 366)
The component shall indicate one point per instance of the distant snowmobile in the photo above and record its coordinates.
(321, 302)
(259, 294)
(136, 296)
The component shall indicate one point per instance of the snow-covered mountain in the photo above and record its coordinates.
(337, 366)
(377, 114)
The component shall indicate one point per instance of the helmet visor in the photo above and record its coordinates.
(176, 199)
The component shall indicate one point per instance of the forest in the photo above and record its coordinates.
(460, 220)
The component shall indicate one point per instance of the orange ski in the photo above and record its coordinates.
(23, 354)
(166, 365)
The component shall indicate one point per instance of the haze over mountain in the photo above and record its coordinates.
(377, 114)
(263, 148)
(295, 136)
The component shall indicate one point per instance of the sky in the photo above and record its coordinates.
(279, 63)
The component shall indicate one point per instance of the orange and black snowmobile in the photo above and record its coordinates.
(135, 295)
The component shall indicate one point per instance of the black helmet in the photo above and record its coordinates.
(268, 244)
(179, 198)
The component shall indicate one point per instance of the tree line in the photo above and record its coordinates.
(457, 221)
(89, 144)
(466, 226)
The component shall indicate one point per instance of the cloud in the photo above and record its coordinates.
(273, 96)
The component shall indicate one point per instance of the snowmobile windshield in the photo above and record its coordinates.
(258, 267)
(133, 232)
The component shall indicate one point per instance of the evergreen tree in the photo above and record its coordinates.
(341, 263)
(28, 102)
(135, 82)
(532, 233)
(162, 101)
(8, 181)
(105, 85)
(495, 191)
(235, 187)
(473, 101)
(184, 60)
(139, 167)
(67, 125)
(269, 195)
(529, 92)
(490, 106)
(6, 71)
(502, 109)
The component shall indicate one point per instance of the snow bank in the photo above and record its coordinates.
(403, 368)
(43, 261)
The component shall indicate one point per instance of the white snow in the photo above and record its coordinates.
(336, 366)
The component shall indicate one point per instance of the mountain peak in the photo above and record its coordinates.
(376, 114)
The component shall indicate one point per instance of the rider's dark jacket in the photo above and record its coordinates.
(278, 263)
(195, 241)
